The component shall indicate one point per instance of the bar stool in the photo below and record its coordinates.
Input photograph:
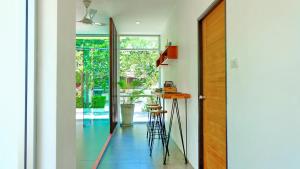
(151, 107)
(156, 128)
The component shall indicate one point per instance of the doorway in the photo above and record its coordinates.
(92, 97)
(212, 93)
(96, 91)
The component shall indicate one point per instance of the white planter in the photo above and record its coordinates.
(127, 111)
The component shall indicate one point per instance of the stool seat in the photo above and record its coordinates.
(157, 112)
(154, 107)
(152, 104)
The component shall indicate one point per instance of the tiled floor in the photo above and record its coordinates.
(128, 149)
(89, 141)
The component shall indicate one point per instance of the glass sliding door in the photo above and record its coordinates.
(92, 97)
(96, 90)
(92, 77)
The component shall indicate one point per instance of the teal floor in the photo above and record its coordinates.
(89, 141)
(128, 149)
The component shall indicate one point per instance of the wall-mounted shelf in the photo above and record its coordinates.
(170, 53)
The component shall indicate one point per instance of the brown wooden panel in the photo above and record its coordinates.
(113, 109)
(214, 88)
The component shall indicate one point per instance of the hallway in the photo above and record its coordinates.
(128, 149)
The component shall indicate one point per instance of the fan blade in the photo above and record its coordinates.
(86, 21)
(100, 24)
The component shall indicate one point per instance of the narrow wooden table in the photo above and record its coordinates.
(175, 97)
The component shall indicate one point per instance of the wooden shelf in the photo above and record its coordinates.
(170, 53)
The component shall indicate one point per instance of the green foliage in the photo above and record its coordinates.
(138, 63)
(132, 85)
(139, 42)
(92, 42)
(123, 84)
(135, 95)
(92, 59)
(98, 101)
(78, 76)
(135, 84)
(79, 102)
(92, 66)
(95, 62)
(142, 64)
(130, 90)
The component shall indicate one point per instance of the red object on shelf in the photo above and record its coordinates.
(171, 52)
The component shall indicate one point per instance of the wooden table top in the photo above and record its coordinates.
(173, 95)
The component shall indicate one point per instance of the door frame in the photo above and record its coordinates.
(212, 6)
(30, 85)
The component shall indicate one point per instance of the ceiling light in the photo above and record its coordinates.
(137, 22)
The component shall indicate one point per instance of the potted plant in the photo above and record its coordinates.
(128, 103)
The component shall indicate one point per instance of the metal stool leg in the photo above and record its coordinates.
(153, 125)
(150, 130)
(163, 136)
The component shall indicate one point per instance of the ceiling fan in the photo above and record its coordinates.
(89, 15)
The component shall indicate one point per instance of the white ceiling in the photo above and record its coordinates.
(153, 15)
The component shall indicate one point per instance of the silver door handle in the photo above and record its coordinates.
(202, 97)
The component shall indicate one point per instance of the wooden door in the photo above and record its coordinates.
(213, 88)
(113, 110)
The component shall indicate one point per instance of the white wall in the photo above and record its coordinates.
(182, 30)
(55, 85)
(263, 92)
(263, 98)
(12, 85)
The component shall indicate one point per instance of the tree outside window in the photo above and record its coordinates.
(137, 59)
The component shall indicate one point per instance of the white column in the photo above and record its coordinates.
(56, 85)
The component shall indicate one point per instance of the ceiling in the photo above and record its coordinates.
(152, 15)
